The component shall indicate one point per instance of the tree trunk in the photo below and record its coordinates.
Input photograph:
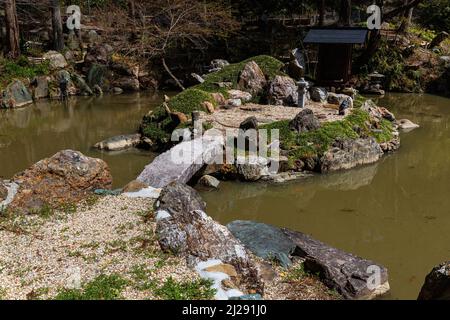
(12, 29)
(322, 13)
(172, 75)
(58, 38)
(345, 13)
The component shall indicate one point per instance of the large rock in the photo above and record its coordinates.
(437, 284)
(183, 228)
(67, 177)
(182, 162)
(121, 142)
(318, 94)
(56, 60)
(305, 121)
(241, 95)
(263, 240)
(349, 153)
(253, 168)
(15, 95)
(252, 79)
(296, 66)
(283, 91)
(338, 99)
(128, 83)
(351, 276)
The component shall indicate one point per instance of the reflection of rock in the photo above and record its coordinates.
(350, 180)
(437, 284)
(66, 177)
(121, 142)
(407, 125)
(349, 153)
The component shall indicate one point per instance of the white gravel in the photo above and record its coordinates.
(41, 255)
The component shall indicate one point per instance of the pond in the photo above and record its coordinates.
(395, 212)
(30, 134)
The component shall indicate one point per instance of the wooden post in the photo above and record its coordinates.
(58, 38)
(12, 29)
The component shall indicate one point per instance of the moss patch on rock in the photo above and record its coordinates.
(158, 126)
(314, 144)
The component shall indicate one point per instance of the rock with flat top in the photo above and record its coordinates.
(252, 79)
(182, 162)
(121, 142)
(349, 153)
(67, 177)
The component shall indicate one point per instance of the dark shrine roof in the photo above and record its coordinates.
(337, 36)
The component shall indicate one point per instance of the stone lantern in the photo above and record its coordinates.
(302, 90)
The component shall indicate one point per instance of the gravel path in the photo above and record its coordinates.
(40, 255)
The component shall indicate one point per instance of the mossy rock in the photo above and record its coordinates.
(314, 144)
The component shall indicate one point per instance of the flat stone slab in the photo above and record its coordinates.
(182, 162)
(351, 276)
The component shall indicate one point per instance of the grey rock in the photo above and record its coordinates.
(209, 181)
(218, 64)
(121, 142)
(437, 284)
(253, 168)
(349, 153)
(80, 83)
(249, 123)
(407, 125)
(296, 65)
(15, 95)
(338, 99)
(233, 103)
(252, 79)
(180, 163)
(117, 90)
(3, 191)
(305, 121)
(241, 95)
(183, 228)
(318, 94)
(283, 91)
(56, 60)
(263, 240)
(128, 83)
(339, 270)
(197, 78)
(41, 87)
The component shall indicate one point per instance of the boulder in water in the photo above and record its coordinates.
(437, 284)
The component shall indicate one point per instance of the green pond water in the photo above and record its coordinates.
(395, 212)
(38, 131)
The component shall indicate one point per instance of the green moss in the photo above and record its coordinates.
(269, 65)
(104, 287)
(190, 100)
(188, 290)
(20, 69)
(315, 143)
